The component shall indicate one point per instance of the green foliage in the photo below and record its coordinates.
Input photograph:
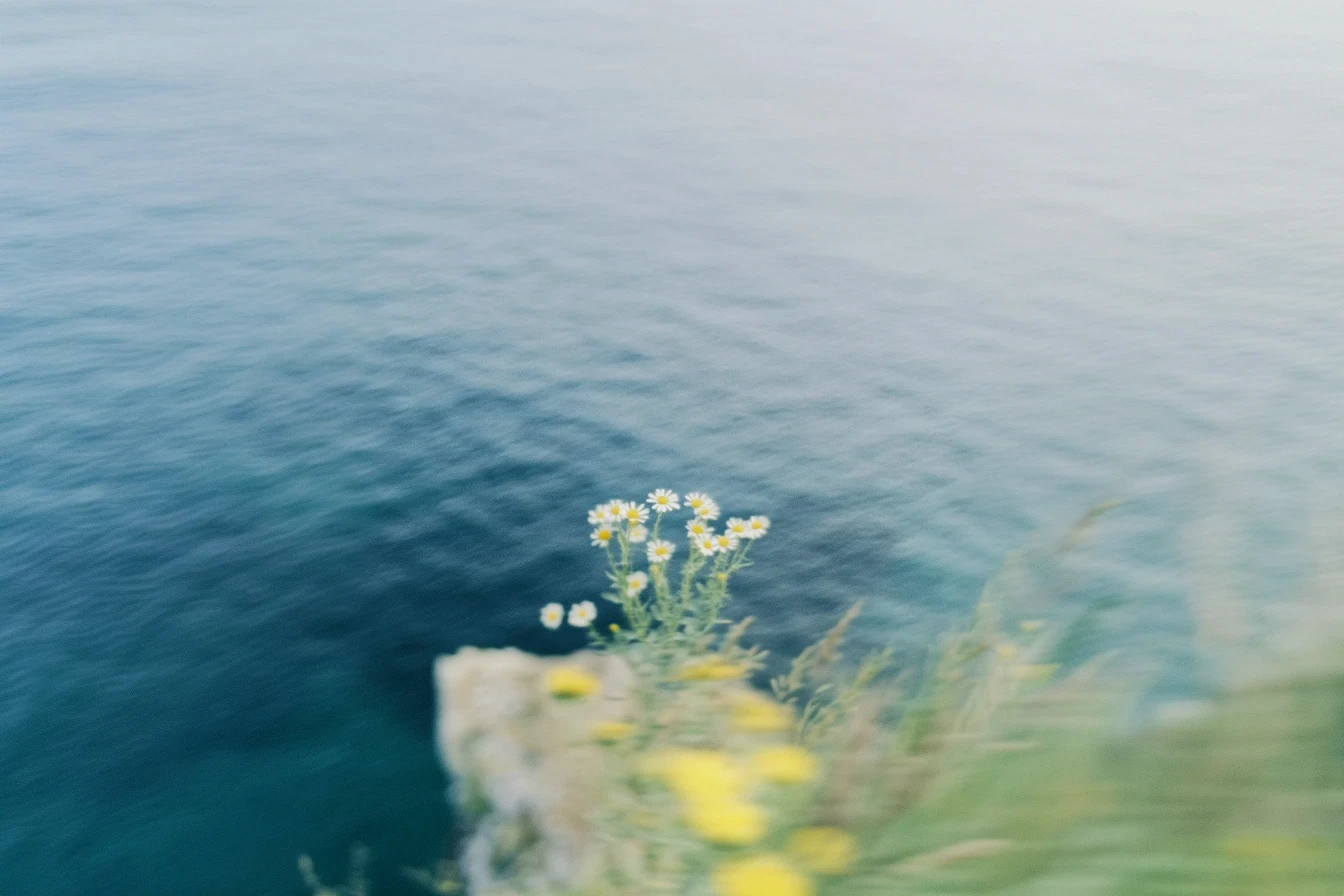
(991, 771)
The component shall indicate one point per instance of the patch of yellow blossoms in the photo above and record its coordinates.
(570, 682)
(764, 875)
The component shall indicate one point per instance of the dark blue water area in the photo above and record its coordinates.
(322, 325)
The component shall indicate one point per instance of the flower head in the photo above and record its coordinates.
(664, 499)
(697, 774)
(581, 615)
(704, 544)
(638, 534)
(636, 582)
(738, 526)
(602, 535)
(633, 513)
(728, 821)
(571, 681)
(611, 732)
(764, 875)
(552, 615)
(725, 542)
(703, 505)
(713, 669)
(759, 715)
(785, 765)
(758, 525)
(825, 850)
(661, 551)
(600, 514)
(697, 527)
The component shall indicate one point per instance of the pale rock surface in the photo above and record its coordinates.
(523, 763)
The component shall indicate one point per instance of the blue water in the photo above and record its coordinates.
(321, 325)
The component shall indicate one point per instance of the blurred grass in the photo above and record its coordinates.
(1084, 786)
(1246, 799)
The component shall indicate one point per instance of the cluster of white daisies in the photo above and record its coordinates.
(609, 517)
(628, 518)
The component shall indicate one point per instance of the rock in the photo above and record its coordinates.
(523, 763)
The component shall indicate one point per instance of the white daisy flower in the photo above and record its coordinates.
(697, 527)
(738, 526)
(552, 615)
(725, 542)
(582, 615)
(634, 514)
(602, 536)
(696, 500)
(758, 525)
(708, 511)
(636, 582)
(639, 534)
(664, 499)
(600, 514)
(704, 544)
(661, 551)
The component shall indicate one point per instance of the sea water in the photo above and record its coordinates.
(323, 324)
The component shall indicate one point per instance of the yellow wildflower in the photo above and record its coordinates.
(696, 774)
(825, 850)
(610, 732)
(711, 670)
(727, 821)
(785, 765)
(764, 875)
(570, 681)
(756, 714)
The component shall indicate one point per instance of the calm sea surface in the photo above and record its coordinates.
(322, 324)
